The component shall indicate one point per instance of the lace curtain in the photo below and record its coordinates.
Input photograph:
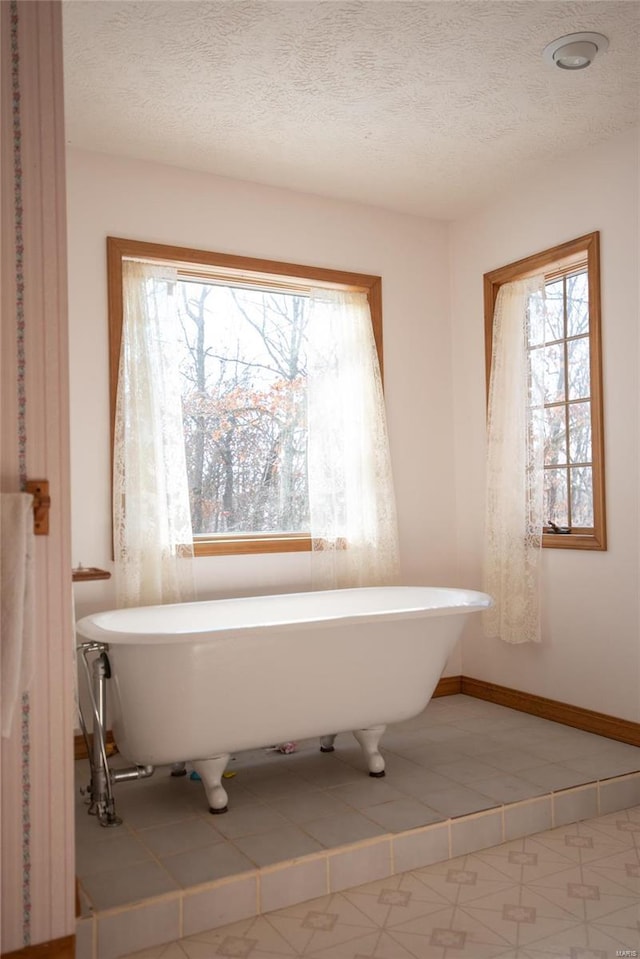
(514, 520)
(351, 498)
(151, 513)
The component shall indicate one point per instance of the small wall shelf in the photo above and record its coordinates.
(84, 573)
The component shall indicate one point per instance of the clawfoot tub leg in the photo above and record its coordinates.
(326, 743)
(210, 772)
(369, 740)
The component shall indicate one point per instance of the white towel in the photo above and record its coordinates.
(17, 638)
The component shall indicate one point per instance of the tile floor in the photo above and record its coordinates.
(567, 893)
(462, 775)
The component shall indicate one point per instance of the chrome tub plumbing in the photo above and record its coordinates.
(101, 800)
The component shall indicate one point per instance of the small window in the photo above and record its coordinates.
(242, 335)
(564, 348)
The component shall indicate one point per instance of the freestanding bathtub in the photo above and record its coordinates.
(199, 681)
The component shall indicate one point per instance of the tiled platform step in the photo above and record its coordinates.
(120, 931)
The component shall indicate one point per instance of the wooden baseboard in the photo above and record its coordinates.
(590, 721)
(448, 686)
(64, 948)
(80, 748)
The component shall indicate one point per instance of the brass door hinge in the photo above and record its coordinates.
(39, 489)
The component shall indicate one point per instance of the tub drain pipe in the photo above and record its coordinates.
(134, 772)
(101, 801)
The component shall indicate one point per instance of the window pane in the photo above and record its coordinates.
(243, 371)
(555, 435)
(580, 432)
(582, 496)
(565, 382)
(555, 311)
(579, 371)
(556, 499)
(577, 304)
(554, 373)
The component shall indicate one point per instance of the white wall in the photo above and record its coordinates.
(435, 397)
(139, 200)
(590, 654)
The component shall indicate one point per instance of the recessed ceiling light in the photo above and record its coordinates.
(575, 51)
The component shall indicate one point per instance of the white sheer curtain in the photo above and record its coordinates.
(151, 515)
(514, 520)
(351, 498)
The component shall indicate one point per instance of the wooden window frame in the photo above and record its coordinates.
(554, 262)
(203, 263)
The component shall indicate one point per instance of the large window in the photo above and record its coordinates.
(242, 357)
(564, 351)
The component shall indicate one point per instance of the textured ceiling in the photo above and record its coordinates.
(422, 107)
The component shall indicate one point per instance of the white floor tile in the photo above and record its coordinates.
(459, 757)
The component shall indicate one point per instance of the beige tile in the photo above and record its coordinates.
(476, 832)
(505, 788)
(170, 950)
(207, 864)
(226, 902)
(555, 776)
(293, 883)
(511, 759)
(310, 789)
(520, 923)
(359, 864)
(89, 830)
(126, 931)
(277, 845)
(346, 828)
(619, 793)
(526, 818)
(86, 910)
(612, 821)
(319, 804)
(421, 847)
(280, 784)
(159, 806)
(567, 748)
(368, 792)
(118, 887)
(178, 837)
(442, 733)
(572, 805)
(249, 821)
(94, 857)
(327, 770)
(397, 766)
(458, 801)
(479, 724)
(85, 930)
(252, 939)
(478, 746)
(239, 795)
(401, 814)
(467, 770)
(418, 782)
(431, 755)
(606, 763)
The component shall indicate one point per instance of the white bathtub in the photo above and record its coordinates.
(198, 681)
